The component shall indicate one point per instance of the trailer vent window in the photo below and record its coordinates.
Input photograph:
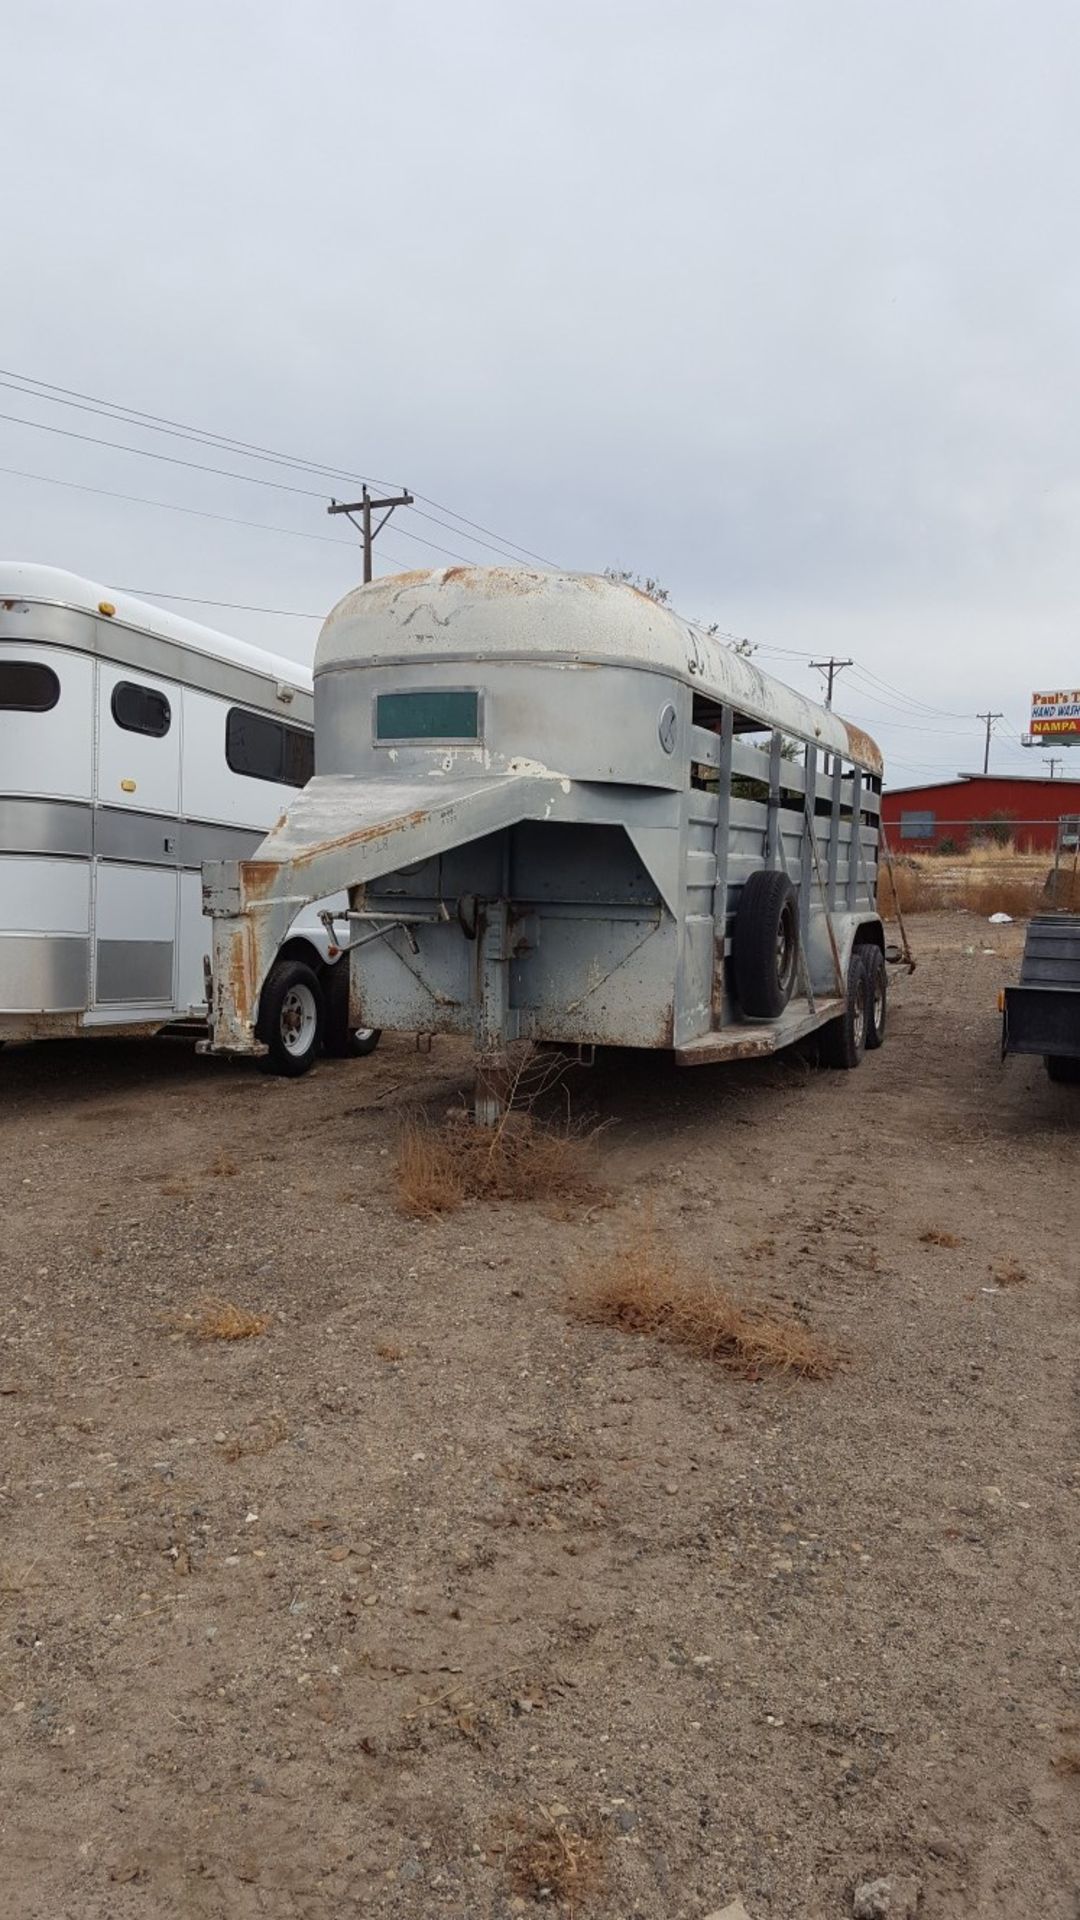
(917, 826)
(268, 750)
(26, 687)
(443, 715)
(140, 709)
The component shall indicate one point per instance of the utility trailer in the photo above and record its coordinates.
(1042, 1014)
(563, 814)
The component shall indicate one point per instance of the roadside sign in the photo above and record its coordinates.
(1056, 715)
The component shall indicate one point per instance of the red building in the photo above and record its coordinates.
(950, 814)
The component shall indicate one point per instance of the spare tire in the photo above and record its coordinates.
(765, 945)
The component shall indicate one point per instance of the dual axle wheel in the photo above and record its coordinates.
(301, 1015)
(765, 963)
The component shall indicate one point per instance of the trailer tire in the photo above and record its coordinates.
(765, 944)
(1063, 1068)
(877, 994)
(341, 1041)
(292, 1015)
(843, 1041)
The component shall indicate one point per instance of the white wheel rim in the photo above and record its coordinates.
(298, 1019)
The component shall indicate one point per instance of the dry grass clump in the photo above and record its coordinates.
(439, 1168)
(1067, 1762)
(259, 1438)
(939, 1237)
(643, 1291)
(222, 1320)
(224, 1167)
(1010, 1274)
(981, 881)
(550, 1857)
(1019, 897)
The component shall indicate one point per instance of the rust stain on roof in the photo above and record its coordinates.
(863, 749)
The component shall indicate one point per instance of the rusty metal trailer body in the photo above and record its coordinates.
(546, 796)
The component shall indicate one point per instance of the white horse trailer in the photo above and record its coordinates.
(562, 814)
(133, 746)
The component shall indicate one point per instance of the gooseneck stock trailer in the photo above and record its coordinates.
(560, 813)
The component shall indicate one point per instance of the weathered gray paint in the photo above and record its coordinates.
(565, 878)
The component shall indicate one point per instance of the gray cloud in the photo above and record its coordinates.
(777, 301)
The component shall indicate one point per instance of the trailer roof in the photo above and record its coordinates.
(53, 586)
(467, 613)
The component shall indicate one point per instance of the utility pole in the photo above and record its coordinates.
(989, 718)
(366, 506)
(1053, 763)
(830, 668)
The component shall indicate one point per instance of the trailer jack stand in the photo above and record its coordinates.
(493, 1089)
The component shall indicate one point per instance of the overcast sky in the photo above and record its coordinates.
(777, 300)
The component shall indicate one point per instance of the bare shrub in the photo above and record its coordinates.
(222, 1320)
(439, 1168)
(429, 1178)
(1010, 1274)
(939, 1237)
(646, 1292)
(550, 1858)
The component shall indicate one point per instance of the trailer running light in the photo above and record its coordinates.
(1001, 1000)
(106, 607)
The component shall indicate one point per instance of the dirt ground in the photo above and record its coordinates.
(430, 1582)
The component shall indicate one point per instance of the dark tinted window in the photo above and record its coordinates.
(267, 749)
(27, 688)
(140, 709)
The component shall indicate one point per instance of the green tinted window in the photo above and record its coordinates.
(428, 713)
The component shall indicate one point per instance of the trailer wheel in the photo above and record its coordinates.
(291, 1018)
(341, 1041)
(765, 945)
(843, 1041)
(1063, 1068)
(877, 994)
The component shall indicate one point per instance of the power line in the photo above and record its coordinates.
(199, 513)
(161, 423)
(944, 712)
(198, 600)
(198, 466)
